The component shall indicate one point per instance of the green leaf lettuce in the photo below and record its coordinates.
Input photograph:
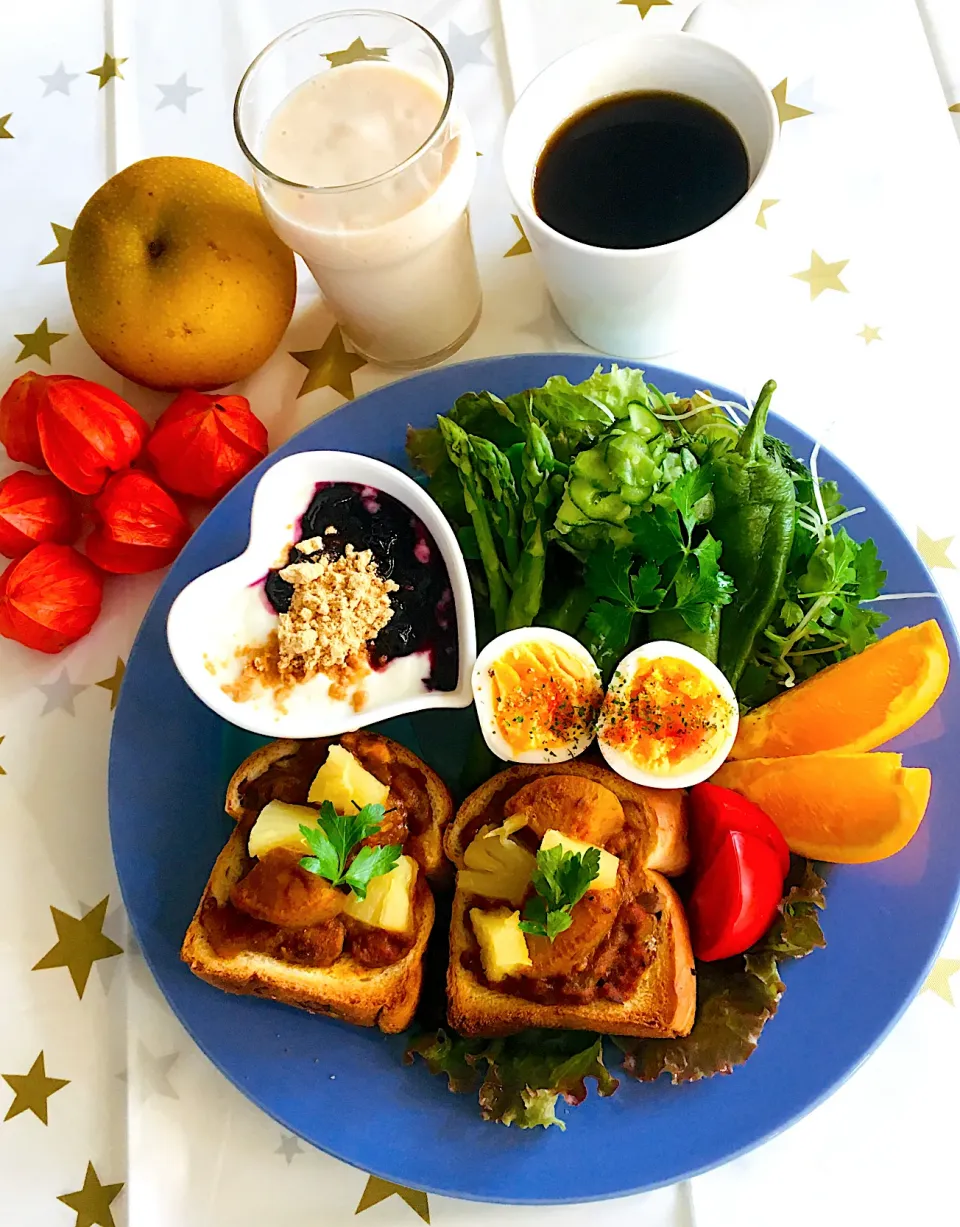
(519, 1079)
(737, 997)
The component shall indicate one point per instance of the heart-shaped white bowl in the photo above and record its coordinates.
(224, 612)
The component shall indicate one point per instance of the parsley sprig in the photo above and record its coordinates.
(675, 574)
(560, 879)
(337, 837)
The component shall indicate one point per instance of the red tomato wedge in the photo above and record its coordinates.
(715, 812)
(735, 898)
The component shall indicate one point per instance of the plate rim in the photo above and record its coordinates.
(950, 631)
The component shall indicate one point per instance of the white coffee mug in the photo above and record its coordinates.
(639, 303)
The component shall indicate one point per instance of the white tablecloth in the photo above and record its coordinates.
(846, 297)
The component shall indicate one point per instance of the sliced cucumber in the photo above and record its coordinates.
(629, 459)
(592, 466)
(597, 504)
(569, 515)
(645, 423)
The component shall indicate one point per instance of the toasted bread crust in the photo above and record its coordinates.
(382, 996)
(664, 810)
(662, 1006)
(664, 1003)
(252, 767)
(427, 847)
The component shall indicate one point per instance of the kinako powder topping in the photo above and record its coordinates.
(338, 605)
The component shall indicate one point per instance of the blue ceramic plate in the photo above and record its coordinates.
(344, 1088)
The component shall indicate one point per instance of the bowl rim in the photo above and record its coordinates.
(344, 466)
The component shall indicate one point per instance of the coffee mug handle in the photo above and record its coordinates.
(724, 23)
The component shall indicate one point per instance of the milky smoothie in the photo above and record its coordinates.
(388, 242)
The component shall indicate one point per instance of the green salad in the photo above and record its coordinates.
(622, 514)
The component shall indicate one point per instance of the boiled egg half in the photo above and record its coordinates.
(669, 717)
(538, 694)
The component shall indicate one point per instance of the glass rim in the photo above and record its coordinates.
(362, 183)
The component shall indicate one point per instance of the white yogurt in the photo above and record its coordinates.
(394, 257)
(251, 618)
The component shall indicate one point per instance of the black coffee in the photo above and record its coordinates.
(640, 169)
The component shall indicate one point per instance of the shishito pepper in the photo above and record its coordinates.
(670, 624)
(754, 517)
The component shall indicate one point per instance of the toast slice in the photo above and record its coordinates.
(383, 996)
(232, 951)
(661, 1001)
(284, 770)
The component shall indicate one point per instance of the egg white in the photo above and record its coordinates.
(682, 776)
(483, 693)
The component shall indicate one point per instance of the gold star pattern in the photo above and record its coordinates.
(37, 344)
(2, 772)
(764, 205)
(938, 980)
(378, 1190)
(932, 551)
(955, 108)
(32, 1090)
(822, 276)
(113, 683)
(786, 110)
(644, 6)
(357, 51)
(870, 334)
(92, 1202)
(109, 69)
(4, 134)
(330, 366)
(59, 254)
(522, 246)
(81, 943)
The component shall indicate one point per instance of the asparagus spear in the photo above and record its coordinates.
(460, 450)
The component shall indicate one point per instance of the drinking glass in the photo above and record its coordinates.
(392, 253)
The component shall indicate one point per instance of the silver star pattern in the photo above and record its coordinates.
(58, 82)
(176, 95)
(154, 1072)
(58, 695)
(466, 48)
(289, 1147)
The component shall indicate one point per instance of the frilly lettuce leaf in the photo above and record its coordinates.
(519, 1079)
(615, 389)
(736, 997)
(426, 449)
(427, 452)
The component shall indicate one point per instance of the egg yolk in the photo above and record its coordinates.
(543, 697)
(667, 713)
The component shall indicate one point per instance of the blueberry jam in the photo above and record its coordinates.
(424, 619)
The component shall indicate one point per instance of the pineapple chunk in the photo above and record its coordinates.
(278, 826)
(503, 948)
(609, 864)
(346, 784)
(389, 901)
(496, 866)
